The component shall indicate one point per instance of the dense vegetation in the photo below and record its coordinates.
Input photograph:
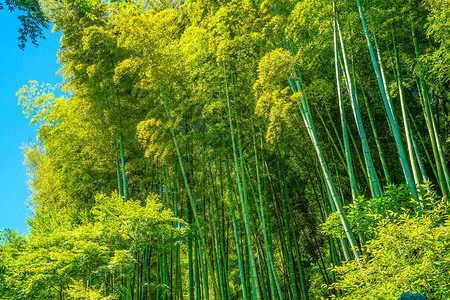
(239, 150)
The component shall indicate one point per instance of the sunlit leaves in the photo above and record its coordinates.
(153, 135)
(37, 101)
(408, 254)
(73, 256)
(272, 89)
(131, 225)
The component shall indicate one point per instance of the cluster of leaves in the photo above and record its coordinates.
(74, 260)
(438, 60)
(273, 97)
(408, 253)
(33, 20)
(364, 214)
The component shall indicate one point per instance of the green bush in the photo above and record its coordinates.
(364, 214)
(409, 253)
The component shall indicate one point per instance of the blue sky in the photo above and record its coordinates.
(17, 67)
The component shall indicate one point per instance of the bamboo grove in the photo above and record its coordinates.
(230, 149)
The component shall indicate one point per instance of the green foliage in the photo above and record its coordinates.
(408, 253)
(365, 214)
(37, 101)
(74, 260)
(438, 60)
(214, 66)
(33, 20)
(273, 96)
(77, 290)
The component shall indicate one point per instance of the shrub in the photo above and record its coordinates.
(408, 254)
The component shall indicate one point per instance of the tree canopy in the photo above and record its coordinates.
(238, 150)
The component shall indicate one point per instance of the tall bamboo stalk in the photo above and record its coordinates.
(341, 109)
(375, 187)
(442, 170)
(394, 127)
(406, 124)
(305, 112)
(123, 167)
(192, 201)
(243, 200)
(290, 258)
(273, 280)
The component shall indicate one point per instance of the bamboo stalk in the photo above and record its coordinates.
(305, 112)
(443, 176)
(373, 179)
(123, 167)
(389, 111)
(341, 109)
(405, 118)
(192, 201)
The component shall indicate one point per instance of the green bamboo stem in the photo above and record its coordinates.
(422, 170)
(422, 142)
(392, 121)
(335, 130)
(439, 147)
(165, 275)
(119, 182)
(327, 194)
(191, 269)
(216, 245)
(290, 258)
(271, 268)
(204, 272)
(158, 277)
(221, 234)
(377, 140)
(198, 291)
(405, 118)
(301, 273)
(236, 237)
(243, 200)
(373, 180)
(123, 167)
(383, 78)
(331, 140)
(341, 109)
(268, 224)
(192, 201)
(441, 167)
(270, 265)
(360, 160)
(255, 198)
(333, 255)
(305, 112)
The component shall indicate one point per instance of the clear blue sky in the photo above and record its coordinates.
(17, 67)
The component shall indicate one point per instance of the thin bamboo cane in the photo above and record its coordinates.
(389, 111)
(204, 272)
(119, 182)
(304, 109)
(216, 245)
(236, 237)
(290, 259)
(377, 140)
(424, 147)
(405, 118)
(192, 201)
(270, 265)
(442, 171)
(367, 156)
(341, 109)
(243, 199)
(123, 167)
